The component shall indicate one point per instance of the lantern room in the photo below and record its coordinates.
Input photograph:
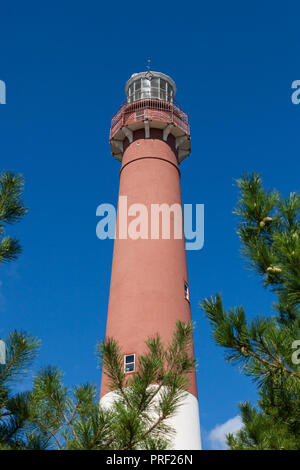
(150, 104)
(149, 84)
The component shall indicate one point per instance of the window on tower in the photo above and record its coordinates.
(186, 291)
(129, 363)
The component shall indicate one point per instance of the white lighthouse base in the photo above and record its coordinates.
(185, 422)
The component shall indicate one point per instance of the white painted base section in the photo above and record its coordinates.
(187, 425)
(186, 422)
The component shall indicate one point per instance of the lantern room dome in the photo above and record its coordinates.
(155, 85)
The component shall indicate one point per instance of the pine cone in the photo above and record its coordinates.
(264, 221)
(274, 269)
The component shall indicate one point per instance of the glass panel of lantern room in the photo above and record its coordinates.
(146, 93)
(169, 92)
(155, 88)
(163, 84)
(137, 90)
(129, 94)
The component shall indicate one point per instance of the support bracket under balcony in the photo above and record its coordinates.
(182, 154)
(147, 129)
(128, 132)
(117, 148)
(181, 140)
(167, 131)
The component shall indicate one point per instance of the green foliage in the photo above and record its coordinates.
(15, 428)
(141, 409)
(55, 417)
(69, 419)
(21, 348)
(12, 210)
(269, 230)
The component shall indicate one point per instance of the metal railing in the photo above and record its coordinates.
(152, 109)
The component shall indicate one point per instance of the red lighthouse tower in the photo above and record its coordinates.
(149, 290)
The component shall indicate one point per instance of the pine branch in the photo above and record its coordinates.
(22, 349)
(10, 249)
(12, 208)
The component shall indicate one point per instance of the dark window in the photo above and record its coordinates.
(129, 363)
(186, 291)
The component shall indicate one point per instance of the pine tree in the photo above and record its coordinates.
(15, 429)
(19, 349)
(12, 210)
(53, 416)
(267, 349)
(138, 419)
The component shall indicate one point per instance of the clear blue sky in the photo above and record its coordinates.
(65, 64)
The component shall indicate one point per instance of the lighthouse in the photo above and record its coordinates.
(149, 290)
